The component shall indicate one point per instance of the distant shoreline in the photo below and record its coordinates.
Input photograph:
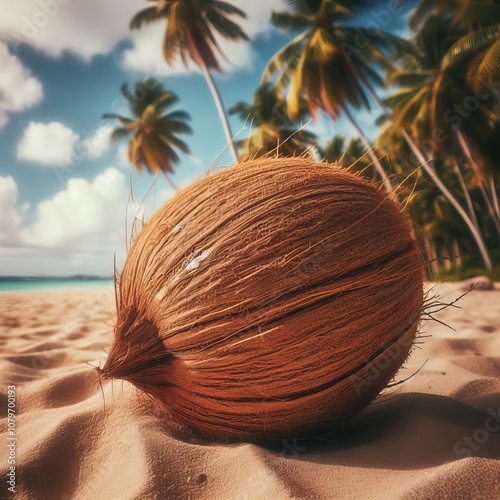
(75, 277)
(18, 284)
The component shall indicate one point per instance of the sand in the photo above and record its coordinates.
(434, 436)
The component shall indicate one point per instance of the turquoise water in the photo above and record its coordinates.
(33, 285)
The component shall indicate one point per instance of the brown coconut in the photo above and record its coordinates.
(272, 299)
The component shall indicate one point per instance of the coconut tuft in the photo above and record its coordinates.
(272, 299)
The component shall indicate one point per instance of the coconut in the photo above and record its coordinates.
(272, 299)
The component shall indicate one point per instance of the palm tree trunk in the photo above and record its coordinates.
(428, 167)
(493, 209)
(456, 253)
(222, 111)
(445, 255)
(466, 192)
(494, 195)
(432, 173)
(431, 253)
(368, 146)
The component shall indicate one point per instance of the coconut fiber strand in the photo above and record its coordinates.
(272, 299)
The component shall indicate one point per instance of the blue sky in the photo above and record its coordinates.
(63, 187)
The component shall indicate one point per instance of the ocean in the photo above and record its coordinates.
(17, 285)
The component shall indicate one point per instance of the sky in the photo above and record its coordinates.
(64, 188)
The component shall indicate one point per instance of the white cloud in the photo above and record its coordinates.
(87, 216)
(96, 144)
(9, 216)
(90, 27)
(47, 143)
(19, 90)
(83, 27)
(122, 156)
(78, 230)
(55, 144)
(146, 54)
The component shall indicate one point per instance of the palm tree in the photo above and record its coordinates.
(271, 130)
(430, 213)
(349, 154)
(466, 14)
(422, 84)
(425, 103)
(477, 54)
(191, 25)
(324, 65)
(153, 129)
(459, 68)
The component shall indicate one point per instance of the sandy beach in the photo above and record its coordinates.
(434, 436)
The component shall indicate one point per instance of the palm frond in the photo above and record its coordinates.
(289, 22)
(381, 120)
(409, 78)
(398, 97)
(148, 93)
(226, 27)
(283, 57)
(125, 93)
(144, 17)
(480, 13)
(178, 115)
(114, 116)
(165, 126)
(172, 140)
(173, 42)
(164, 100)
(485, 67)
(228, 8)
(426, 8)
(305, 7)
(407, 109)
(470, 45)
(296, 87)
(154, 133)
(368, 74)
(119, 133)
(241, 108)
(401, 45)
(322, 46)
